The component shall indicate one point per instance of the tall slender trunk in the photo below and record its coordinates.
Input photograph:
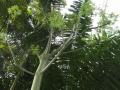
(38, 75)
(37, 79)
(44, 61)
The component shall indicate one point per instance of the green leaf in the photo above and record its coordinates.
(56, 20)
(14, 11)
(2, 46)
(35, 49)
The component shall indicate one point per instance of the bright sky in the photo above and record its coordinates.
(112, 5)
(65, 10)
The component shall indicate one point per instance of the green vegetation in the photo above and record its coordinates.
(32, 57)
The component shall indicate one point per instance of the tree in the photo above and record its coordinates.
(22, 24)
(29, 49)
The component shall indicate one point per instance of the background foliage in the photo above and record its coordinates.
(88, 63)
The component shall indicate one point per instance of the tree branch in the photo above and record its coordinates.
(69, 40)
(20, 67)
(99, 26)
(48, 46)
(24, 70)
(15, 81)
(71, 51)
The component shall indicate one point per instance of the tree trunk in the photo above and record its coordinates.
(37, 80)
(38, 75)
(44, 62)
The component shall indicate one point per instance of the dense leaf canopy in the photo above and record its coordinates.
(42, 49)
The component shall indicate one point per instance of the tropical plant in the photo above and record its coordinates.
(32, 56)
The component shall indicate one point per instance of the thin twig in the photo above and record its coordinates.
(48, 46)
(71, 51)
(24, 70)
(15, 81)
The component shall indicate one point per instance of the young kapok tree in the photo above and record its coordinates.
(30, 28)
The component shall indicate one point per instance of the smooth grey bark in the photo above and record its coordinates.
(38, 74)
(37, 79)
(44, 61)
